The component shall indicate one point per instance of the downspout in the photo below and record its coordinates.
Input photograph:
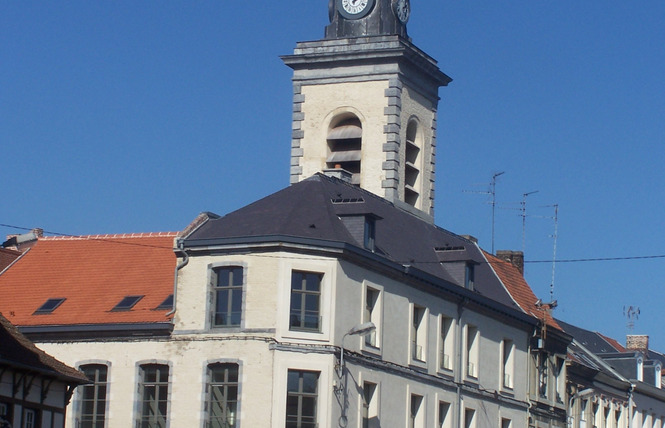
(179, 249)
(630, 405)
(459, 374)
(529, 367)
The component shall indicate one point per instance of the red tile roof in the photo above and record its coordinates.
(7, 257)
(614, 343)
(518, 288)
(21, 354)
(93, 273)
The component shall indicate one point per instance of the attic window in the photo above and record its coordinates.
(49, 306)
(166, 304)
(127, 303)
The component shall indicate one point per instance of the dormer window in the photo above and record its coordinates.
(345, 146)
(640, 369)
(370, 233)
(362, 228)
(658, 373)
(469, 276)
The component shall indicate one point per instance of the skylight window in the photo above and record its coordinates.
(127, 303)
(49, 306)
(166, 304)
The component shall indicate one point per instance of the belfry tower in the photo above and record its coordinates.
(365, 102)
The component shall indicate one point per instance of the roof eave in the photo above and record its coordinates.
(225, 244)
(84, 331)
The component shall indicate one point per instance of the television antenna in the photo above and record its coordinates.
(523, 214)
(632, 313)
(492, 193)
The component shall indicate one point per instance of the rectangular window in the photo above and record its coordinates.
(154, 395)
(560, 378)
(507, 363)
(301, 399)
(305, 301)
(227, 290)
(445, 418)
(506, 423)
(372, 314)
(469, 418)
(370, 410)
(472, 347)
(92, 405)
(416, 414)
(446, 343)
(418, 334)
(6, 414)
(30, 418)
(222, 395)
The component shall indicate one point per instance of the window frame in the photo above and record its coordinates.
(507, 371)
(301, 395)
(327, 267)
(140, 417)
(416, 418)
(303, 295)
(209, 384)
(471, 352)
(97, 385)
(375, 315)
(369, 409)
(418, 334)
(214, 276)
(447, 420)
(446, 343)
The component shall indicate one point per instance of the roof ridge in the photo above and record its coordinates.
(110, 236)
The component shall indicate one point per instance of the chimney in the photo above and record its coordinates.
(637, 342)
(339, 173)
(515, 258)
(24, 241)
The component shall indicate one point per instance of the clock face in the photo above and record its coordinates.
(402, 10)
(354, 9)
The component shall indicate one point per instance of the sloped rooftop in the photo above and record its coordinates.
(519, 289)
(92, 274)
(20, 353)
(313, 210)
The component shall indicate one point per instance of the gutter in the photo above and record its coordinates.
(180, 245)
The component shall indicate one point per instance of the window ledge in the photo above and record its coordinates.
(418, 364)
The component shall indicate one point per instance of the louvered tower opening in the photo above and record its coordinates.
(345, 147)
(412, 165)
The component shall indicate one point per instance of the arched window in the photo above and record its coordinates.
(412, 164)
(345, 146)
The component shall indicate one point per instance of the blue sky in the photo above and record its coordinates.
(132, 116)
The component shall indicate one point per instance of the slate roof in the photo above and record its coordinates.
(93, 273)
(593, 341)
(312, 211)
(21, 354)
